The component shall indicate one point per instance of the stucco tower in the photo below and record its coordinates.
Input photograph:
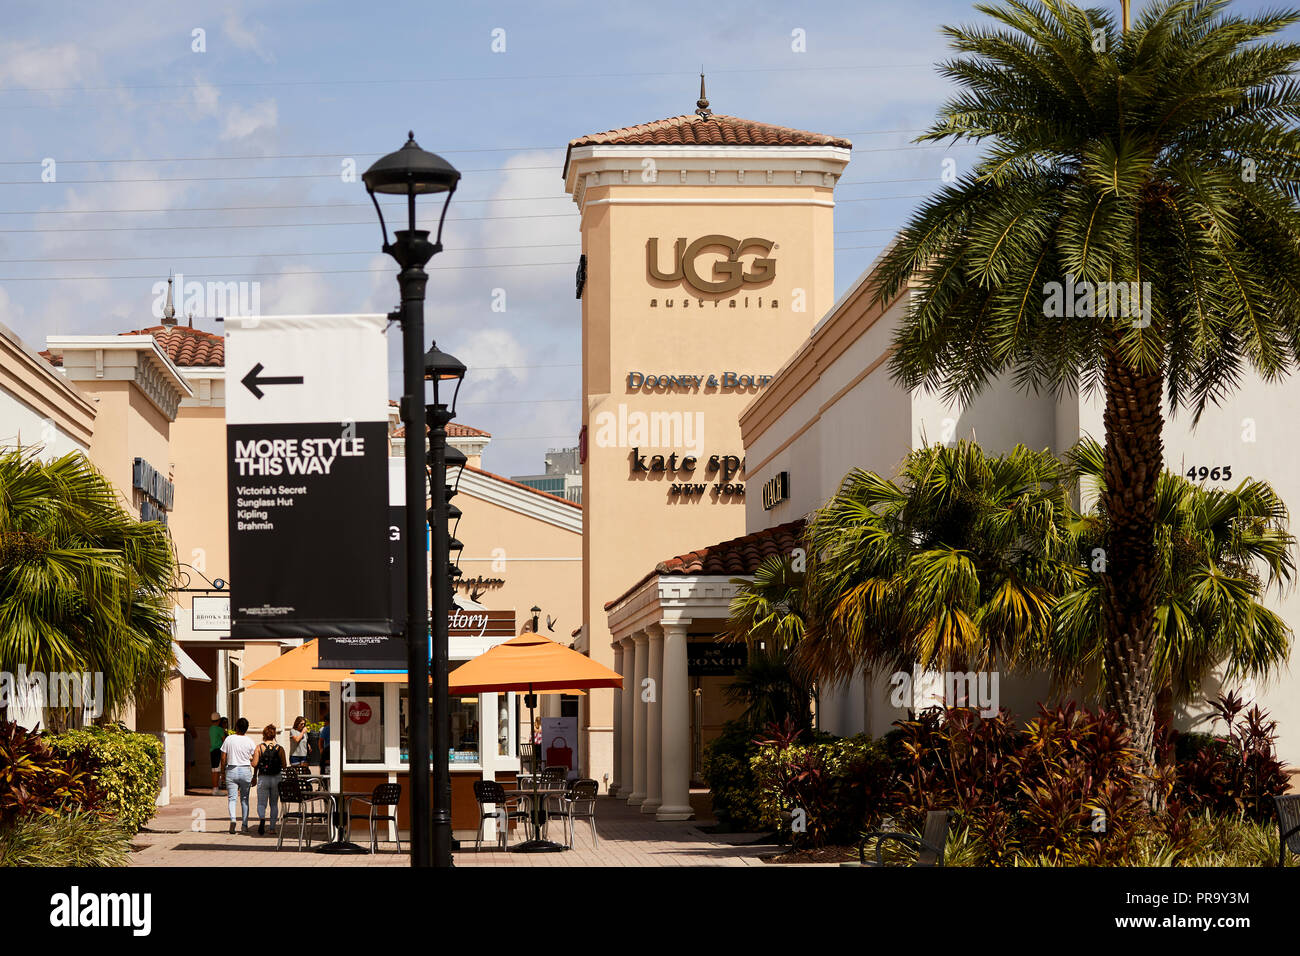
(707, 257)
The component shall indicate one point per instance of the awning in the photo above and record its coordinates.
(185, 666)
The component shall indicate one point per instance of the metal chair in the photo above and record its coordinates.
(310, 782)
(1288, 825)
(929, 846)
(528, 757)
(555, 778)
(385, 796)
(293, 794)
(489, 791)
(580, 803)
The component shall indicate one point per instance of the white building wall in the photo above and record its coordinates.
(18, 421)
(874, 424)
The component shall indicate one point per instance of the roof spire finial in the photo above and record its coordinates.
(169, 310)
(702, 104)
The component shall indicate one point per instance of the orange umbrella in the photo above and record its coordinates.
(297, 670)
(531, 663)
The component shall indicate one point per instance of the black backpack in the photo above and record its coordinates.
(270, 764)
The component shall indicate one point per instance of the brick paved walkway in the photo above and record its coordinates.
(193, 832)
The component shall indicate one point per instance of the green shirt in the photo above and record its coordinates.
(216, 736)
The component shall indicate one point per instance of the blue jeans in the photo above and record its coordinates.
(268, 788)
(239, 780)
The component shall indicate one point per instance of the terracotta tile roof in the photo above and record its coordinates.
(717, 130)
(454, 430)
(737, 558)
(188, 347)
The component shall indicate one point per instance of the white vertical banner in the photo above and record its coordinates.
(307, 443)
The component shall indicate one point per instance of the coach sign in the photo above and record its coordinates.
(306, 436)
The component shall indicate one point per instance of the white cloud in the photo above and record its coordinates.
(43, 67)
(241, 123)
(205, 96)
(246, 37)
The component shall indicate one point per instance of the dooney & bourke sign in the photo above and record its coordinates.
(728, 273)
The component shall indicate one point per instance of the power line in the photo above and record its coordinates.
(310, 272)
(343, 205)
(361, 222)
(285, 255)
(359, 252)
(395, 80)
(913, 147)
(347, 155)
(228, 179)
(303, 272)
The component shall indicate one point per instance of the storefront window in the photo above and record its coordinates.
(465, 727)
(363, 725)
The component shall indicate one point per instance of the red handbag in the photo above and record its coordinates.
(559, 754)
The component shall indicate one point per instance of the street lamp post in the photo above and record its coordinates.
(409, 172)
(442, 370)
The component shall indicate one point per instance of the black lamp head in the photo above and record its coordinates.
(439, 367)
(455, 458)
(411, 171)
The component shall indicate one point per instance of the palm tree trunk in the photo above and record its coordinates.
(1134, 458)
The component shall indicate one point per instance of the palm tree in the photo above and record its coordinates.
(767, 615)
(1164, 159)
(83, 584)
(954, 565)
(768, 610)
(1212, 546)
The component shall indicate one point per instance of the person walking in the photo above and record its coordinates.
(216, 737)
(237, 762)
(298, 741)
(268, 769)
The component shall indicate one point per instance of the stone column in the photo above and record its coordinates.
(625, 719)
(617, 783)
(674, 696)
(640, 670)
(654, 725)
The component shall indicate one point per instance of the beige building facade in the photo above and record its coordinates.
(706, 257)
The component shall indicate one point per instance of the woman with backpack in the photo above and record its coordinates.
(268, 766)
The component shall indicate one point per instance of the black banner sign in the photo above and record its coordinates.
(307, 443)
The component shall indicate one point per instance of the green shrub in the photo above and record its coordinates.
(75, 838)
(727, 773)
(34, 779)
(130, 767)
(840, 784)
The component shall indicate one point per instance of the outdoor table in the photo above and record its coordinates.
(537, 815)
(342, 822)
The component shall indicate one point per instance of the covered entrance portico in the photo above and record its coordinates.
(683, 603)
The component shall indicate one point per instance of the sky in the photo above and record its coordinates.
(215, 141)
